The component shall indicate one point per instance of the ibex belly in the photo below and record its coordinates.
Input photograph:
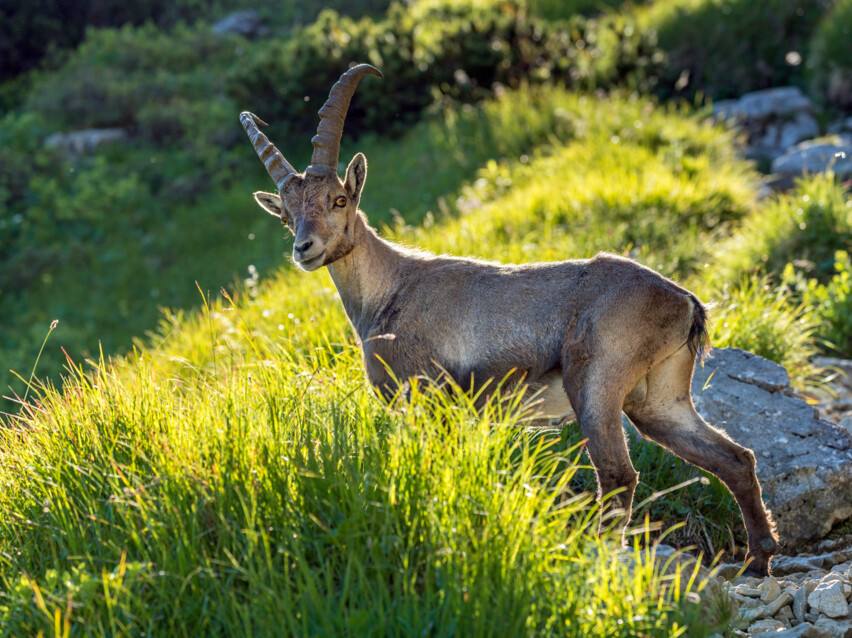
(553, 404)
(551, 401)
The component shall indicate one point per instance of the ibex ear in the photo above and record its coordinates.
(356, 174)
(270, 202)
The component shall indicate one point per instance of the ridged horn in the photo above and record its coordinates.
(327, 140)
(279, 168)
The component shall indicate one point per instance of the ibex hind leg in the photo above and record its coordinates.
(668, 417)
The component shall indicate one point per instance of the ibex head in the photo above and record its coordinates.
(317, 207)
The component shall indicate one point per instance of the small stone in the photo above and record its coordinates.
(751, 592)
(828, 598)
(846, 422)
(786, 565)
(770, 590)
(834, 628)
(800, 600)
(785, 614)
(805, 630)
(765, 625)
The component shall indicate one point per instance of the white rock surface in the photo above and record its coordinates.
(828, 598)
(804, 463)
(814, 157)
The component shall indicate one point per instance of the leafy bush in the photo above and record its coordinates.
(724, 48)
(831, 302)
(805, 226)
(165, 87)
(436, 50)
(563, 9)
(32, 30)
(829, 66)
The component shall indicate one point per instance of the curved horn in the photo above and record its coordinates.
(327, 140)
(278, 167)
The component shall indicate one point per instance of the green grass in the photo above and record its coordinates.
(268, 492)
(237, 475)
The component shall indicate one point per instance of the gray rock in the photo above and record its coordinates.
(770, 103)
(800, 600)
(839, 127)
(834, 628)
(773, 120)
(828, 598)
(813, 157)
(805, 630)
(804, 464)
(85, 141)
(764, 626)
(786, 565)
(246, 23)
(770, 590)
(782, 134)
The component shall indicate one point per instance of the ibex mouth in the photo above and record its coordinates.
(311, 263)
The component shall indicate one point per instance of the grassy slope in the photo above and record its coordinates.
(239, 476)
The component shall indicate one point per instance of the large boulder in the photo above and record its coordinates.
(773, 119)
(803, 462)
(76, 143)
(816, 156)
(246, 23)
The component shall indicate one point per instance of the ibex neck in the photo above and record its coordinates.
(365, 277)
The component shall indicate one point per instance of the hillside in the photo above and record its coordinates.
(222, 467)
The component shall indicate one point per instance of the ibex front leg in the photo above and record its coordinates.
(598, 408)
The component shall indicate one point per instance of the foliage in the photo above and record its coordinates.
(724, 48)
(831, 302)
(38, 29)
(829, 68)
(805, 226)
(769, 320)
(162, 86)
(435, 50)
(562, 9)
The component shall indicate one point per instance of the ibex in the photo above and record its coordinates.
(594, 337)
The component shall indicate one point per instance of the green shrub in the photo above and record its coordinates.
(435, 50)
(831, 302)
(724, 48)
(43, 29)
(769, 320)
(829, 65)
(805, 226)
(564, 9)
(166, 87)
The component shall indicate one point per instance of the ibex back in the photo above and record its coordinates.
(594, 337)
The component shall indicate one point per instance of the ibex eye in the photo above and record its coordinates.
(340, 201)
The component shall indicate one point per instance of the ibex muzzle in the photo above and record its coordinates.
(593, 337)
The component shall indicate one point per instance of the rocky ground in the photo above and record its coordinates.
(781, 129)
(808, 595)
(804, 462)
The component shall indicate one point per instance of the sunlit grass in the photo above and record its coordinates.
(237, 475)
(271, 493)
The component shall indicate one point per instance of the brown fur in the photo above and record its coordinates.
(618, 336)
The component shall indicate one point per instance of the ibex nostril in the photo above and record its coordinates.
(304, 247)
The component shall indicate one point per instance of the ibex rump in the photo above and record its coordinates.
(596, 337)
